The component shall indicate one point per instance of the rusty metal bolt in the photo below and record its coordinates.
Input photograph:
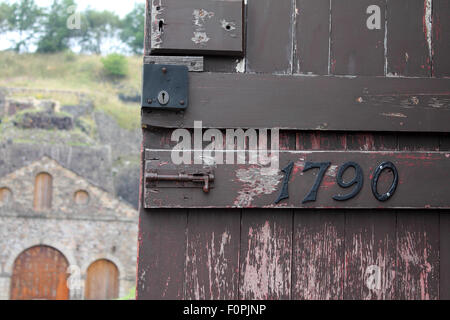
(164, 70)
(149, 101)
(182, 102)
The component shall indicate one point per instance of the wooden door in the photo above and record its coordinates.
(40, 273)
(346, 81)
(43, 192)
(102, 281)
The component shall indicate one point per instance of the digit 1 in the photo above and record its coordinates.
(323, 166)
(284, 194)
(376, 176)
(358, 180)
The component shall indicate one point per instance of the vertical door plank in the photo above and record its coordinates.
(269, 36)
(441, 38)
(212, 265)
(321, 141)
(444, 255)
(356, 49)
(312, 37)
(409, 38)
(266, 249)
(318, 261)
(162, 254)
(370, 245)
(418, 255)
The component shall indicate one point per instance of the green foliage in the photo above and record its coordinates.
(132, 29)
(24, 18)
(115, 65)
(5, 13)
(95, 27)
(131, 295)
(56, 34)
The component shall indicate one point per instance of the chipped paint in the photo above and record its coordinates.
(255, 183)
(200, 16)
(200, 38)
(394, 115)
(427, 25)
(227, 25)
(240, 65)
(156, 34)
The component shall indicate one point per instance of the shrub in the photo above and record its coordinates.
(115, 65)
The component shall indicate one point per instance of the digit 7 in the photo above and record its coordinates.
(323, 166)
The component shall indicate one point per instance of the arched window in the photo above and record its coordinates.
(43, 190)
(102, 281)
(5, 196)
(40, 273)
(81, 198)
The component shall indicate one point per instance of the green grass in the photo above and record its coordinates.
(79, 73)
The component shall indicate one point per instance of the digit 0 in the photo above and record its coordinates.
(386, 196)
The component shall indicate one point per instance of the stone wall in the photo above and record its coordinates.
(102, 228)
(82, 242)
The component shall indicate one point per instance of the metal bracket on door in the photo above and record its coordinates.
(165, 87)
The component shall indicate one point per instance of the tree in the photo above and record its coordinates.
(97, 26)
(22, 17)
(5, 13)
(56, 35)
(133, 25)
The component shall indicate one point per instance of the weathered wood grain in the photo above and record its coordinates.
(318, 256)
(417, 256)
(311, 103)
(321, 140)
(162, 254)
(424, 181)
(269, 36)
(409, 38)
(312, 33)
(212, 265)
(194, 64)
(441, 36)
(356, 49)
(370, 252)
(444, 255)
(197, 27)
(266, 253)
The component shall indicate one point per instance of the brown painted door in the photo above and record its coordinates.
(345, 79)
(40, 273)
(102, 282)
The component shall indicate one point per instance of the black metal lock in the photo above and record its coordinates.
(165, 87)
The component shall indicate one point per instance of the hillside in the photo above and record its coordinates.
(65, 105)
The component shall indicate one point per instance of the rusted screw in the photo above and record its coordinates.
(182, 102)
(164, 70)
(149, 101)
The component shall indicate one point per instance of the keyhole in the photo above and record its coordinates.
(163, 98)
(161, 24)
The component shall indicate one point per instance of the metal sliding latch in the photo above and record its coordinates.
(203, 179)
(165, 87)
(161, 173)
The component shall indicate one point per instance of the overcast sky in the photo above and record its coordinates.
(120, 7)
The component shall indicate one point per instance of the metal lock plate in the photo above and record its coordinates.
(165, 87)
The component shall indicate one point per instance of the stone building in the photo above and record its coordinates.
(62, 237)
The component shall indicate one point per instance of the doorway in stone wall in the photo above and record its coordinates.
(40, 273)
(102, 281)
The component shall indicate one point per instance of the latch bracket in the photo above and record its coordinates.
(165, 87)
